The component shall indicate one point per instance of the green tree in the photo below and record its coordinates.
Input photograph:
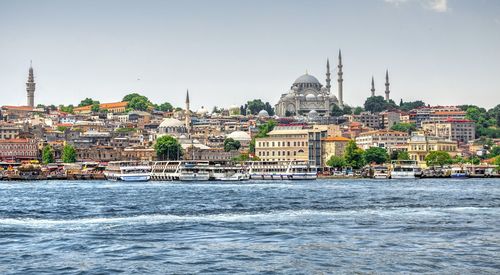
(137, 102)
(438, 158)
(474, 160)
(353, 155)
(336, 111)
(257, 105)
(404, 127)
(347, 110)
(165, 107)
(62, 128)
(497, 162)
(376, 155)
(495, 151)
(375, 104)
(168, 148)
(47, 154)
(336, 162)
(231, 144)
(87, 101)
(358, 110)
(66, 109)
(263, 130)
(68, 154)
(95, 108)
(407, 106)
(403, 155)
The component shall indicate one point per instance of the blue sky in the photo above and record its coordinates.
(228, 52)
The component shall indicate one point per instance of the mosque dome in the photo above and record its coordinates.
(239, 136)
(202, 111)
(309, 79)
(310, 97)
(171, 122)
(312, 114)
(263, 113)
(333, 98)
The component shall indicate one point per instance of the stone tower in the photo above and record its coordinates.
(387, 92)
(187, 114)
(328, 86)
(373, 87)
(340, 80)
(30, 87)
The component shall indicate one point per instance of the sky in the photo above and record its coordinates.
(444, 52)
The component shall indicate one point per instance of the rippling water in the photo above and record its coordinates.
(349, 226)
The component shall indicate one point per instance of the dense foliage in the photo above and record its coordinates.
(137, 102)
(47, 154)
(438, 158)
(336, 162)
(257, 105)
(353, 155)
(263, 130)
(376, 155)
(165, 107)
(377, 104)
(168, 148)
(487, 122)
(69, 154)
(404, 127)
(231, 144)
(88, 101)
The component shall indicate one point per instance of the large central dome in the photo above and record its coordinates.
(306, 79)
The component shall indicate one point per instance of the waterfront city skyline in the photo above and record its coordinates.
(443, 52)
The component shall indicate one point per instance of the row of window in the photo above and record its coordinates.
(17, 147)
(278, 153)
(280, 143)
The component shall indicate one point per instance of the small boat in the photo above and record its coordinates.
(130, 171)
(404, 169)
(380, 172)
(229, 172)
(459, 172)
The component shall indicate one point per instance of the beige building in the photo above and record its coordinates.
(9, 131)
(453, 129)
(388, 119)
(420, 144)
(332, 146)
(283, 144)
(387, 139)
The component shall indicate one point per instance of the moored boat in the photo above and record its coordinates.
(130, 171)
(404, 169)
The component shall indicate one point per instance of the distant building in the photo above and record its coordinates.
(368, 119)
(9, 131)
(30, 88)
(387, 139)
(332, 146)
(388, 119)
(420, 144)
(18, 149)
(115, 107)
(462, 130)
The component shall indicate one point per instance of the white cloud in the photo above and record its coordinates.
(438, 5)
(434, 5)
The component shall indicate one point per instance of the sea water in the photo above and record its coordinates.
(325, 226)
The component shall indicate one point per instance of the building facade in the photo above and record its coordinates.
(18, 149)
(387, 139)
(461, 130)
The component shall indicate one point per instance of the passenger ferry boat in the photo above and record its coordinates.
(380, 172)
(128, 171)
(282, 170)
(404, 169)
(459, 172)
(229, 172)
(166, 170)
(194, 171)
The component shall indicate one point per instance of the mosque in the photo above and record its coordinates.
(308, 97)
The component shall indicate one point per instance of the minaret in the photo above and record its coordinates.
(187, 114)
(30, 87)
(328, 86)
(340, 80)
(373, 87)
(387, 92)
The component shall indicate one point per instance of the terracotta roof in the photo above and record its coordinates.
(336, 139)
(15, 140)
(383, 132)
(449, 113)
(20, 108)
(112, 105)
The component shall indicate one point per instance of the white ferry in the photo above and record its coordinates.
(194, 171)
(229, 172)
(128, 171)
(166, 170)
(282, 170)
(459, 172)
(404, 169)
(380, 172)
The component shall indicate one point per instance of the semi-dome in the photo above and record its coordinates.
(239, 136)
(310, 97)
(263, 113)
(306, 79)
(312, 114)
(171, 122)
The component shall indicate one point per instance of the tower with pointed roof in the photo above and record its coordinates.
(30, 87)
(187, 114)
(340, 80)
(387, 91)
(373, 87)
(328, 80)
